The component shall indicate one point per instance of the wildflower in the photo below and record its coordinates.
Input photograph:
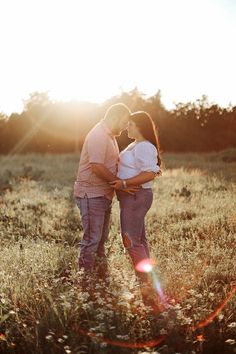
(67, 349)
(192, 292)
(49, 337)
(100, 316)
(103, 345)
(177, 307)
(232, 325)
(188, 320)
(122, 337)
(128, 295)
(230, 341)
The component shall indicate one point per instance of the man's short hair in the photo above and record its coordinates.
(117, 110)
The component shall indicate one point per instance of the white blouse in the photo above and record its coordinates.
(136, 158)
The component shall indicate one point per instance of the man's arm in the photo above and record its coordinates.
(102, 172)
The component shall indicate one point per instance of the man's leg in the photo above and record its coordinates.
(93, 215)
(101, 260)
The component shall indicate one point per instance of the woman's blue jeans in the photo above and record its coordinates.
(133, 209)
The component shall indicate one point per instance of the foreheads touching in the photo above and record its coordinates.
(117, 117)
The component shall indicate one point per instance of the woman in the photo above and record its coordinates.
(139, 164)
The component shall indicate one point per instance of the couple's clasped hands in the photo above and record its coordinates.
(119, 184)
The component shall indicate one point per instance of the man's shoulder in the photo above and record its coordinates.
(96, 131)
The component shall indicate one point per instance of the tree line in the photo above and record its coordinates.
(45, 126)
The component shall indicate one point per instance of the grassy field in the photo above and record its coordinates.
(192, 233)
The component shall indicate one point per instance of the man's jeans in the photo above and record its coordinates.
(95, 215)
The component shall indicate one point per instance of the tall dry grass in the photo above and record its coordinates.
(192, 233)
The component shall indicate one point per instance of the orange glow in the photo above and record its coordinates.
(216, 312)
(200, 338)
(2, 337)
(150, 344)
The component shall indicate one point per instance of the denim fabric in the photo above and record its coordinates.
(95, 215)
(133, 209)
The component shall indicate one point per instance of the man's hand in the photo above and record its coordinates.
(117, 184)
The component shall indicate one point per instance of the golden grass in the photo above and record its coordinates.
(192, 233)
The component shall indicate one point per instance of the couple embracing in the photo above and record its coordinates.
(103, 170)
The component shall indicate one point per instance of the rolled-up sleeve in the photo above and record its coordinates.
(146, 157)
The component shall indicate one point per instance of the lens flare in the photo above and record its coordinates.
(157, 287)
(137, 345)
(145, 266)
(215, 313)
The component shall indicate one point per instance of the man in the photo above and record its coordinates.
(93, 193)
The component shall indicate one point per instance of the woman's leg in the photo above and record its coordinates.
(145, 242)
(133, 209)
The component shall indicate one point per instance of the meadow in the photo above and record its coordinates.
(192, 233)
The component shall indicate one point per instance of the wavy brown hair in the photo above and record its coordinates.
(147, 128)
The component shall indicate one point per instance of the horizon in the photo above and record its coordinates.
(101, 103)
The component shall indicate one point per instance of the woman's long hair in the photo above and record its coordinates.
(147, 128)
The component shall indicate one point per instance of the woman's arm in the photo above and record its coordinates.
(141, 178)
(146, 161)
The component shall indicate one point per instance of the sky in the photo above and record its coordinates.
(93, 49)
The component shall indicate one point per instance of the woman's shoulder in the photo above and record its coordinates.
(144, 142)
(129, 147)
(145, 145)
